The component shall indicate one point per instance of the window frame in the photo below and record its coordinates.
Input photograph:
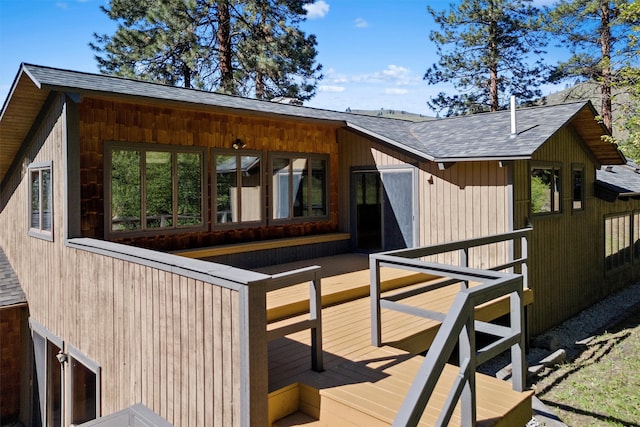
(73, 353)
(143, 148)
(577, 167)
(40, 232)
(327, 176)
(553, 166)
(214, 188)
(624, 256)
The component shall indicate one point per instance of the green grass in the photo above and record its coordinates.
(602, 386)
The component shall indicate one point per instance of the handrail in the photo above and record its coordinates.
(407, 259)
(459, 324)
(314, 323)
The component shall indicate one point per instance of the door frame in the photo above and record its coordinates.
(381, 170)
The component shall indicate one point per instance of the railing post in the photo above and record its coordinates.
(464, 262)
(376, 327)
(518, 364)
(467, 350)
(524, 269)
(315, 313)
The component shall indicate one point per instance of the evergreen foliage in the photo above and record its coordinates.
(489, 50)
(240, 47)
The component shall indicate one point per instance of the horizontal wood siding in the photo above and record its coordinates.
(163, 339)
(469, 199)
(104, 120)
(566, 251)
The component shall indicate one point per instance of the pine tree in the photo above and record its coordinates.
(630, 81)
(239, 47)
(597, 39)
(488, 50)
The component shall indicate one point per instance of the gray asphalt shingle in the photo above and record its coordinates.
(11, 292)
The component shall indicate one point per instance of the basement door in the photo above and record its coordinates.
(384, 209)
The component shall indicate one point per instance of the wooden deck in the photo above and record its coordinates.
(361, 383)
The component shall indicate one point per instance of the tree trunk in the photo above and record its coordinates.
(605, 46)
(493, 60)
(224, 48)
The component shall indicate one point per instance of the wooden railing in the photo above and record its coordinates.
(459, 324)
(314, 323)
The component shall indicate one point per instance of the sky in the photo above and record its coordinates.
(374, 53)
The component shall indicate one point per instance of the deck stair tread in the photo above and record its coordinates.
(365, 385)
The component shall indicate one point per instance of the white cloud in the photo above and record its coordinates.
(61, 5)
(330, 88)
(361, 23)
(396, 71)
(395, 91)
(317, 10)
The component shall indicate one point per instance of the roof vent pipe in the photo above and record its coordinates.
(514, 128)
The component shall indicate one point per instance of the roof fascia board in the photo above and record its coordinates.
(389, 141)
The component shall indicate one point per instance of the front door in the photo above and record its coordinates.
(384, 209)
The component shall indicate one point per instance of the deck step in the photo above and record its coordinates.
(351, 401)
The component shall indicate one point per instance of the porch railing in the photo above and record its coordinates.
(314, 323)
(459, 324)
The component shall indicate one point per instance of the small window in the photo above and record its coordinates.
(636, 236)
(154, 188)
(617, 241)
(577, 180)
(299, 187)
(40, 201)
(546, 195)
(238, 187)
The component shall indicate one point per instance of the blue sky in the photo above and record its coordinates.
(373, 52)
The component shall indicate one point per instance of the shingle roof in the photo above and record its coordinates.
(11, 292)
(620, 181)
(475, 137)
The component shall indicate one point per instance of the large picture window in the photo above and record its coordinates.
(298, 186)
(153, 188)
(238, 187)
(40, 200)
(546, 195)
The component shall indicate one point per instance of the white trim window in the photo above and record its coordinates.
(151, 188)
(299, 186)
(41, 200)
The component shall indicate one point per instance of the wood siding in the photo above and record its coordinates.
(160, 338)
(466, 200)
(104, 120)
(566, 250)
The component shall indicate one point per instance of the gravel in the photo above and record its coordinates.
(572, 335)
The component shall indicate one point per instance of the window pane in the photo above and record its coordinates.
(578, 189)
(545, 190)
(46, 199)
(636, 235)
(251, 196)
(35, 199)
(189, 171)
(280, 185)
(226, 199)
(83, 393)
(159, 200)
(125, 190)
(318, 187)
(300, 188)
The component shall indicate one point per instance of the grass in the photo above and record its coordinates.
(601, 387)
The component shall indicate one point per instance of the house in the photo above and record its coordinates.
(136, 217)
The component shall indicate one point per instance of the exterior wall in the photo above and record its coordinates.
(566, 250)
(160, 338)
(102, 120)
(466, 200)
(12, 357)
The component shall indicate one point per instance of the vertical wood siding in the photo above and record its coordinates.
(469, 199)
(566, 251)
(102, 120)
(165, 340)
